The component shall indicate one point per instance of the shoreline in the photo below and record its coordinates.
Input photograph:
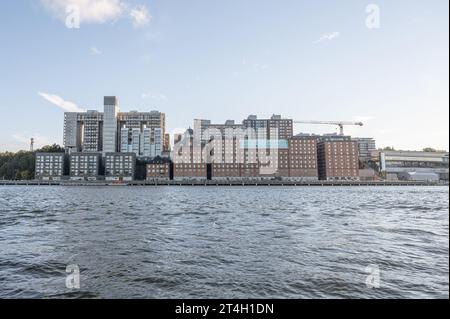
(223, 183)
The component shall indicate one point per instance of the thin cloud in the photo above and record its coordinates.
(95, 51)
(154, 96)
(60, 102)
(140, 16)
(328, 36)
(91, 11)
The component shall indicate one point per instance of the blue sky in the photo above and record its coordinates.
(219, 60)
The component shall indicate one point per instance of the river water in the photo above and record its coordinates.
(225, 242)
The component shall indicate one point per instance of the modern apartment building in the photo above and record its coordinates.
(142, 133)
(85, 166)
(50, 166)
(120, 166)
(338, 158)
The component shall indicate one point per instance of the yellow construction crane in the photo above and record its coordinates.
(340, 124)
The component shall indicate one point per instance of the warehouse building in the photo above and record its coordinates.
(413, 165)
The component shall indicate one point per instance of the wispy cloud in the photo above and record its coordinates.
(140, 16)
(60, 102)
(328, 36)
(99, 11)
(95, 51)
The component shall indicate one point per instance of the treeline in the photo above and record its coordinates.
(21, 165)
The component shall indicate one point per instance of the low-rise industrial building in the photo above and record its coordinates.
(50, 166)
(85, 166)
(120, 166)
(414, 165)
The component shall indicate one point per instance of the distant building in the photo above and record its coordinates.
(50, 166)
(120, 166)
(394, 163)
(365, 147)
(284, 126)
(159, 169)
(167, 147)
(338, 158)
(85, 166)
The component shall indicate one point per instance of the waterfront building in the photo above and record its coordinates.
(190, 171)
(188, 161)
(120, 166)
(50, 166)
(414, 165)
(338, 158)
(85, 166)
(302, 158)
(159, 169)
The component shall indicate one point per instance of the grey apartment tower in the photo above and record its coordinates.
(142, 133)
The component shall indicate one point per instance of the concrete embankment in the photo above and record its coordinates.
(224, 183)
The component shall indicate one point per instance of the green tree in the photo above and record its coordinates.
(21, 165)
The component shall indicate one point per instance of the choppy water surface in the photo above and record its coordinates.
(225, 242)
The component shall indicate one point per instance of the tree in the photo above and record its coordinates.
(21, 165)
(55, 148)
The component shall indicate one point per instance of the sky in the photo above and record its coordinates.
(386, 65)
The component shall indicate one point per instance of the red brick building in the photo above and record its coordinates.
(338, 159)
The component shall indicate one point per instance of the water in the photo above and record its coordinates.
(225, 242)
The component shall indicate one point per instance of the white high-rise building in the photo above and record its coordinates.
(147, 142)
